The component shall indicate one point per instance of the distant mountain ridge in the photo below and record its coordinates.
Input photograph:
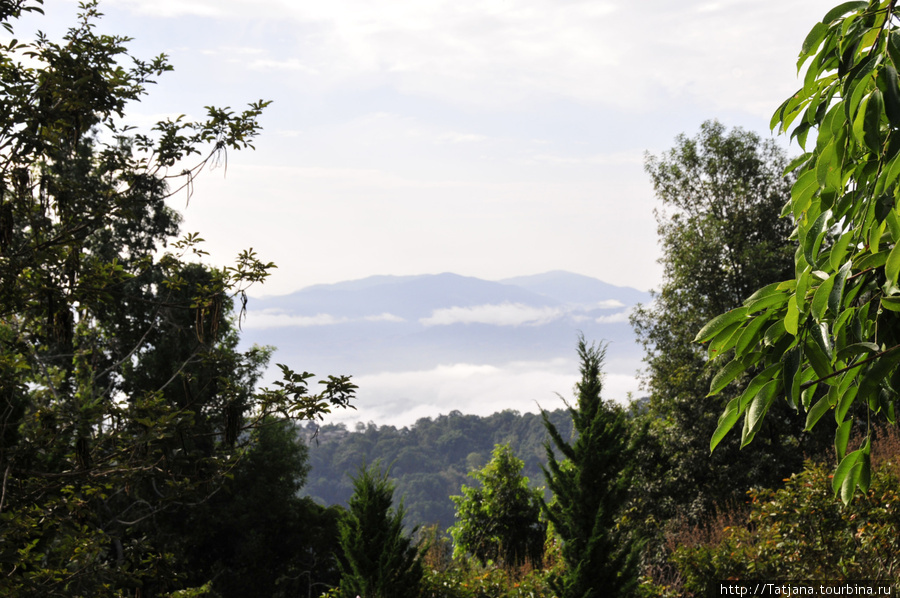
(388, 324)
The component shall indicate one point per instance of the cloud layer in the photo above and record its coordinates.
(400, 398)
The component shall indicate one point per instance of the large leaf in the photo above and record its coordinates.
(719, 323)
(817, 411)
(820, 298)
(842, 9)
(751, 335)
(759, 406)
(728, 373)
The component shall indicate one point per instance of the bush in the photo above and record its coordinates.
(802, 532)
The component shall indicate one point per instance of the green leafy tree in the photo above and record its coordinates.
(501, 520)
(379, 560)
(256, 537)
(827, 338)
(721, 194)
(589, 489)
(123, 395)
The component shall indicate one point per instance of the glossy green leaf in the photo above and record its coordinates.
(751, 335)
(872, 125)
(842, 9)
(846, 476)
(767, 291)
(814, 38)
(818, 359)
(827, 165)
(797, 162)
(719, 323)
(892, 265)
(882, 367)
(841, 438)
(732, 370)
(767, 302)
(757, 411)
(891, 303)
(891, 95)
(820, 299)
(790, 366)
(819, 335)
(858, 349)
(893, 47)
(844, 403)
(816, 412)
(871, 261)
(802, 192)
(859, 120)
(839, 250)
(727, 420)
(723, 341)
(837, 291)
(792, 316)
(812, 240)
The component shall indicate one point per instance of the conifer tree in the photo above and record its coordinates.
(589, 487)
(380, 561)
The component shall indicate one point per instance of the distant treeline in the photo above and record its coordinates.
(429, 460)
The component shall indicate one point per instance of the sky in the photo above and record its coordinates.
(489, 138)
(494, 138)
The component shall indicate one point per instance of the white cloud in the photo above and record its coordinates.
(385, 317)
(460, 137)
(400, 398)
(621, 316)
(610, 304)
(269, 318)
(611, 158)
(503, 314)
(502, 54)
(277, 318)
(291, 64)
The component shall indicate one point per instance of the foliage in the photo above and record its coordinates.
(256, 536)
(802, 532)
(721, 194)
(379, 560)
(589, 489)
(123, 395)
(501, 520)
(826, 338)
(462, 576)
(429, 460)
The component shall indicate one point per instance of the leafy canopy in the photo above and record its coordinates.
(123, 396)
(828, 339)
(501, 520)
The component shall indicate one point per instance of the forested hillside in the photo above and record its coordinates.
(429, 461)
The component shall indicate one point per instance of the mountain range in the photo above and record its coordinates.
(384, 329)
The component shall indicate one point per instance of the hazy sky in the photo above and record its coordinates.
(491, 138)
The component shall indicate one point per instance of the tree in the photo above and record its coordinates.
(501, 520)
(256, 536)
(827, 338)
(123, 395)
(721, 194)
(380, 561)
(589, 489)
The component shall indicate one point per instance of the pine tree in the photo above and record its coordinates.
(589, 487)
(380, 561)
